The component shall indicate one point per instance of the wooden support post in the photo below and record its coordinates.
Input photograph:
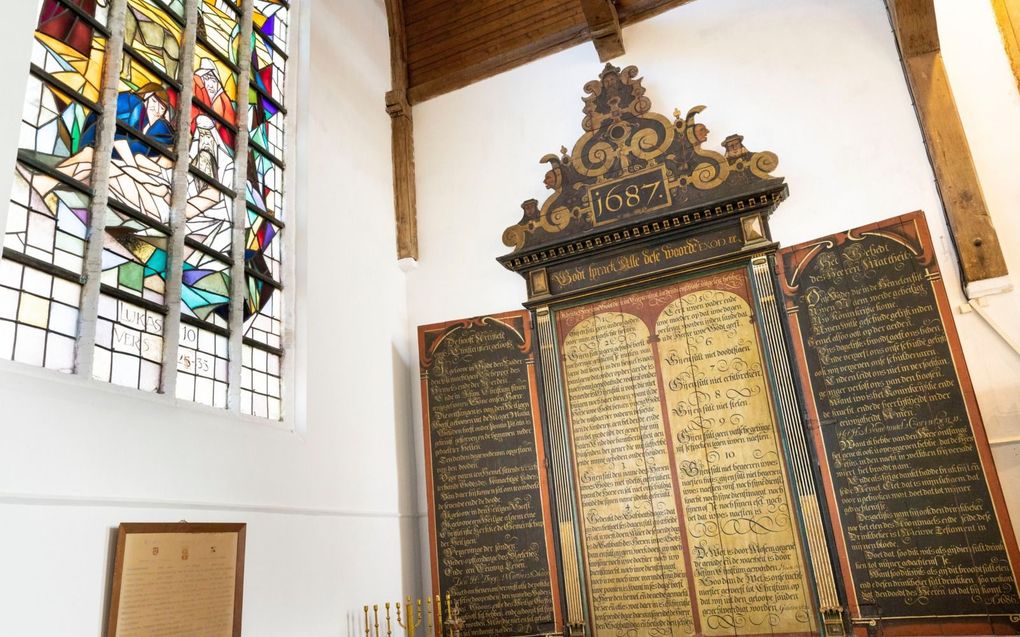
(399, 107)
(1007, 12)
(604, 25)
(981, 260)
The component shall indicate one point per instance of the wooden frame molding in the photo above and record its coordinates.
(976, 241)
(604, 25)
(399, 107)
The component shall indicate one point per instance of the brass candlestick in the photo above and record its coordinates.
(414, 614)
(411, 623)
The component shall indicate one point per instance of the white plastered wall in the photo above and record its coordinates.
(329, 499)
(818, 82)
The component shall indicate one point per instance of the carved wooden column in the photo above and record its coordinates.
(399, 107)
(982, 265)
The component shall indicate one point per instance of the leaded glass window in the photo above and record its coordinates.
(133, 238)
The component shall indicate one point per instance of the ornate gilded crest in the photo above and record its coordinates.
(633, 164)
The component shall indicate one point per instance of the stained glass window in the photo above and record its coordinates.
(48, 220)
(38, 316)
(147, 102)
(202, 366)
(209, 215)
(154, 34)
(164, 251)
(205, 293)
(57, 131)
(260, 383)
(264, 195)
(70, 45)
(129, 344)
(219, 28)
(135, 257)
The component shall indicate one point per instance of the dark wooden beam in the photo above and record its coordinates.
(459, 77)
(604, 27)
(398, 105)
(976, 241)
(453, 44)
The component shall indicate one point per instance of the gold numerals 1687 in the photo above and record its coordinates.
(620, 197)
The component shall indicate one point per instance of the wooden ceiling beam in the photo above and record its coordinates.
(449, 45)
(604, 25)
(461, 76)
(982, 265)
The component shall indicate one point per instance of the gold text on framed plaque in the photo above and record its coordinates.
(643, 192)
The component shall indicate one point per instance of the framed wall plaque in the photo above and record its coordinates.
(922, 533)
(492, 544)
(177, 579)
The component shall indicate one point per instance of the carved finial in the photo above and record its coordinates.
(624, 140)
(616, 95)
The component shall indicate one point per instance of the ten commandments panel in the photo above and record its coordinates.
(922, 532)
(489, 505)
(686, 515)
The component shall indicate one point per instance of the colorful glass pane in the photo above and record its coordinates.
(129, 345)
(210, 215)
(205, 293)
(212, 147)
(266, 324)
(264, 184)
(141, 177)
(262, 247)
(215, 86)
(70, 48)
(56, 16)
(58, 131)
(38, 317)
(134, 257)
(146, 103)
(150, 32)
(47, 220)
(218, 26)
(202, 364)
(177, 6)
(260, 383)
(265, 123)
(271, 19)
(268, 69)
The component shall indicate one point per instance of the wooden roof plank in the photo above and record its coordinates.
(453, 30)
(504, 38)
